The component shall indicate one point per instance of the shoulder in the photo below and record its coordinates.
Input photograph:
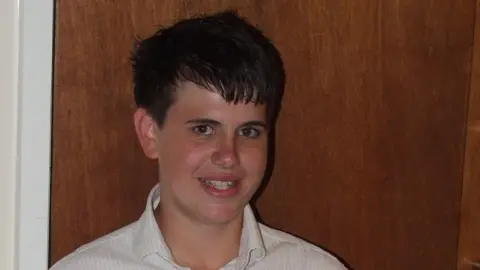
(103, 253)
(298, 251)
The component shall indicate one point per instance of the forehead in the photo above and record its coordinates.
(192, 100)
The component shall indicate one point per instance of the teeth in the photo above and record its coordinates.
(221, 185)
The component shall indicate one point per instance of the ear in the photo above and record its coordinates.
(146, 129)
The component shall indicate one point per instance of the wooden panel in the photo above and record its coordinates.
(469, 247)
(369, 145)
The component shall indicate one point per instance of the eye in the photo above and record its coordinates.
(203, 130)
(250, 132)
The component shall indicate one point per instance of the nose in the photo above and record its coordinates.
(225, 154)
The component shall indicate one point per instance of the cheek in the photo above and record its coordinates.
(183, 158)
(195, 156)
(254, 158)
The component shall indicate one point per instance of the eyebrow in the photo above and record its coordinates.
(255, 123)
(203, 121)
(207, 121)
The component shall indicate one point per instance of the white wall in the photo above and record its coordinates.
(26, 41)
(8, 128)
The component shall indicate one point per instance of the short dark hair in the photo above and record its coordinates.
(220, 52)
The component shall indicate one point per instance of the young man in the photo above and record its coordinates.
(208, 91)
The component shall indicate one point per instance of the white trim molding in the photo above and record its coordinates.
(36, 37)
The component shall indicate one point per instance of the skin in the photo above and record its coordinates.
(204, 136)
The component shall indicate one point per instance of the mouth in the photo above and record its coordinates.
(218, 184)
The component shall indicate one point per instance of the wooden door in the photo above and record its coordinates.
(370, 143)
(469, 243)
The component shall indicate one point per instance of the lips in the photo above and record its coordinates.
(219, 184)
(224, 186)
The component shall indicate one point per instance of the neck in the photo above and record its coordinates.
(198, 245)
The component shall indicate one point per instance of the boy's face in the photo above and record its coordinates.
(211, 154)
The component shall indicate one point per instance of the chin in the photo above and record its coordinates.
(222, 214)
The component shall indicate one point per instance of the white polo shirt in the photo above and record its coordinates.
(141, 246)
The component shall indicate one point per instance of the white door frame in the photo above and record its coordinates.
(35, 50)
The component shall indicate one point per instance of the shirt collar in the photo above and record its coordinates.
(149, 239)
(252, 248)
